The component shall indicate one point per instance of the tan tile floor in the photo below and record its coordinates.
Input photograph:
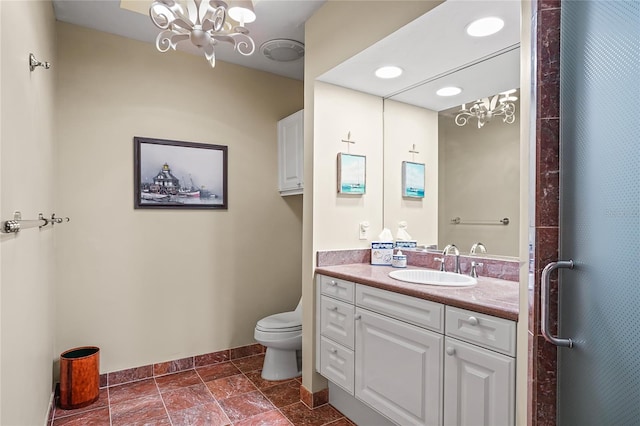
(228, 393)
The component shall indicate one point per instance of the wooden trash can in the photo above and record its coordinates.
(79, 377)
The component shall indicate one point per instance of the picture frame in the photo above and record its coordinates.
(413, 179)
(179, 175)
(352, 174)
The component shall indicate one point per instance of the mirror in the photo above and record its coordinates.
(470, 173)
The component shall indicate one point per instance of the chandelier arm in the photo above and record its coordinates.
(168, 40)
(193, 11)
(493, 103)
(164, 41)
(161, 15)
(462, 118)
(210, 54)
(242, 43)
(204, 10)
(165, 17)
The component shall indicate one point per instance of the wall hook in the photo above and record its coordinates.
(33, 63)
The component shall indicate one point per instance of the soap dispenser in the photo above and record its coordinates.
(399, 260)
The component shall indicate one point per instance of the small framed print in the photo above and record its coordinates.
(352, 174)
(413, 181)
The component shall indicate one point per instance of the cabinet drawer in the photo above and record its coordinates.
(336, 364)
(336, 287)
(490, 332)
(406, 308)
(336, 321)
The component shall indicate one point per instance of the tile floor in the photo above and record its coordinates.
(228, 393)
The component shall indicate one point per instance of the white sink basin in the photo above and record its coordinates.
(430, 277)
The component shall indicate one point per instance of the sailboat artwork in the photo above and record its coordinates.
(351, 174)
(412, 179)
(171, 174)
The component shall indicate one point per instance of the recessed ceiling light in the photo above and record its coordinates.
(485, 26)
(390, 71)
(449, 91)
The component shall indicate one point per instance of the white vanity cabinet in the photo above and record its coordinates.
(335, 358)
(290, 154)
(415, 361)
(480, 382)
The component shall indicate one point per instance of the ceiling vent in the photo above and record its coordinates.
(282, 50)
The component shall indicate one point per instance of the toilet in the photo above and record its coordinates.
(281, 334)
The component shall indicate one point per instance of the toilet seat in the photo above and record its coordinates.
(280, 323)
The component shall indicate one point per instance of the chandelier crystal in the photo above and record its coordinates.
(501, 105)
(204, 23)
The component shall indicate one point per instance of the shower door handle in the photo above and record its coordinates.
(544, 303)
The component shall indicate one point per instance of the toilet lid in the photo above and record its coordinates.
(285, 321)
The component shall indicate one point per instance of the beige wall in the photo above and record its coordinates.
(337, 31)
(480, 171)
(27, 292)
(337, 112)
(154, 285)
(404, 126)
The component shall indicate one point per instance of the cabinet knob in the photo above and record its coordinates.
(473, 321)
(333, 283)
(357, 317)
(333, 350)
(451, 351)
(333, 308)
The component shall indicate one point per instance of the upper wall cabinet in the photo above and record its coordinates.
(290, 154)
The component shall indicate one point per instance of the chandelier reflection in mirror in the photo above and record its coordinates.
(204, 23)
(485, 109)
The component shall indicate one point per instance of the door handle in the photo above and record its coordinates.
(544, 303)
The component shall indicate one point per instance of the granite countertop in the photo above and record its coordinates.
(490, 296)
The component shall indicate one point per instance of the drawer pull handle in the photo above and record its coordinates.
(357, 317)
(333, 351)
(333, 308)
(333, 283)
(451, 351)
(473, 321)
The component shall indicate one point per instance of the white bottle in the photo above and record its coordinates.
(399, 260)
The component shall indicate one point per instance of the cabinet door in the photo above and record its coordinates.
(479, 387)
(399, 369)
(290, 154)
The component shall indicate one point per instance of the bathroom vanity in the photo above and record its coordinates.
(418, 354)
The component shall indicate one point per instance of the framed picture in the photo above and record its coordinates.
(179, 175)
(352, 174)
(412, 179)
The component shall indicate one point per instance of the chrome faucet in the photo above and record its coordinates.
(474, 265)
(478, 246)
(456, 252)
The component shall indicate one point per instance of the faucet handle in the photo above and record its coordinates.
(441, 260)
(473, 272)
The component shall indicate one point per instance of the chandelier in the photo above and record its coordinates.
(204, 23)
(500, 105)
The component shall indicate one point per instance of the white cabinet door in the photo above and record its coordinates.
(290, 154)
(398, 369)
(480, 386)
